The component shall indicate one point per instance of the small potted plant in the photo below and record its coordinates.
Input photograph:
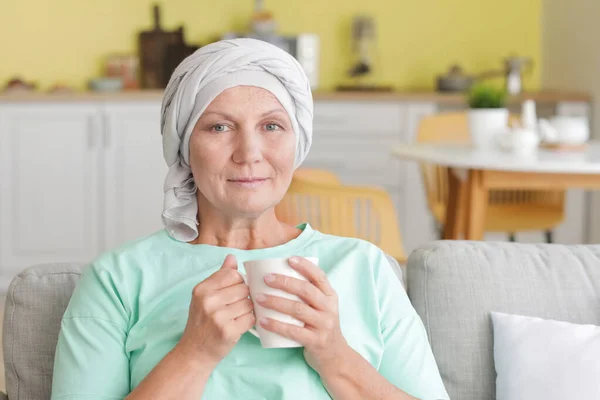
(487, 114)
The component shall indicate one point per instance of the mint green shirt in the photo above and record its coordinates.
(130, 307)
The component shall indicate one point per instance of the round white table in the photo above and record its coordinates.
(472, 173)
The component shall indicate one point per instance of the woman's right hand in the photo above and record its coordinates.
(220, 312)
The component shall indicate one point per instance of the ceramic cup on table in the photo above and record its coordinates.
(519, 141)
(256, 270)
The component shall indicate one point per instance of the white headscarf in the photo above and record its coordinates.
(195, 83)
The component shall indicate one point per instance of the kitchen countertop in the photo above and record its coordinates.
(543, 96)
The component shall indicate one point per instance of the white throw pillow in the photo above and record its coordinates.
(539, 359)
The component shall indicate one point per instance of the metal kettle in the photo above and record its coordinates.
(456, 80)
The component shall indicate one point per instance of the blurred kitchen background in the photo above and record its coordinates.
(69, 42)
(81, 167)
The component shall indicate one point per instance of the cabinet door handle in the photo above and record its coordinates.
(105, 124)
(106, 135)
(91, 132)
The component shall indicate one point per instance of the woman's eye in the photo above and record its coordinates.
(220, 128)
(271, 127)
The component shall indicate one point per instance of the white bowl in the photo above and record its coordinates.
(106, 84)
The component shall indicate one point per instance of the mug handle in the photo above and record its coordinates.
(251, 330)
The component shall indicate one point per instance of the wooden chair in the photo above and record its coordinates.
(317, 175)
(318, 197)
(508, 211)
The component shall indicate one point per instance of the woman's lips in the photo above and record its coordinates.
(248, 182)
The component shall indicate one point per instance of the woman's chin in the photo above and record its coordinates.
(250, 208)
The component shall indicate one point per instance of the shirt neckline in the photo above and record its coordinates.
(286, 249)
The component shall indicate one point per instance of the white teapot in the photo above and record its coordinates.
(564, 130)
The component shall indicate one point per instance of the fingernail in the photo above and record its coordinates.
(260, 297)
(263, 321)
(269, 278)
(294, 260)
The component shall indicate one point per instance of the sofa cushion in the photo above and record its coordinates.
(455, 285)
(35, 303)
(544, 359)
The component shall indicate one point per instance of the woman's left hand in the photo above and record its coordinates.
(324, 344)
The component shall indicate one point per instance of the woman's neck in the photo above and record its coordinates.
(243, 233)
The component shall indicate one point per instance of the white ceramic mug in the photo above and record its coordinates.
(519, 141)
(256, 271)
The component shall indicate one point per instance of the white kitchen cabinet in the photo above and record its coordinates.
(359, 118)
(49, 179)
(134, 172)
(76, 180)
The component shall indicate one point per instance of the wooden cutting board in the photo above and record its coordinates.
(174, 55)
(563, 146)
(152, 51)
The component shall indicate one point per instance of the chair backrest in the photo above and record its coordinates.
(453, 127)
(317, 175)
(36, 301)
(455, 285)
(360, 212)
(449, 127)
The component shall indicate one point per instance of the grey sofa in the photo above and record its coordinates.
(35, 302)
(453, 286)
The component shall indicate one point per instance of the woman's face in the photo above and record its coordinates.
(242, 152)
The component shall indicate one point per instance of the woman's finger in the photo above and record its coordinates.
(301, 288)
(234, 310)
(229, 295)
(313, 273)
(244, 323)
(301, 311)
(301, 335)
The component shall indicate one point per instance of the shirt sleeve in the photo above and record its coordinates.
(91, 362)
(407, 362)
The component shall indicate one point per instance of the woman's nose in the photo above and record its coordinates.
(248, 147)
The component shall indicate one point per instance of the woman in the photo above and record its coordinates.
(167, 316)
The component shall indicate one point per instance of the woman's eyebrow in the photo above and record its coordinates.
(231, 117)
(220, 114)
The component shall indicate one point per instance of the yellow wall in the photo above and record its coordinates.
(67, 40)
